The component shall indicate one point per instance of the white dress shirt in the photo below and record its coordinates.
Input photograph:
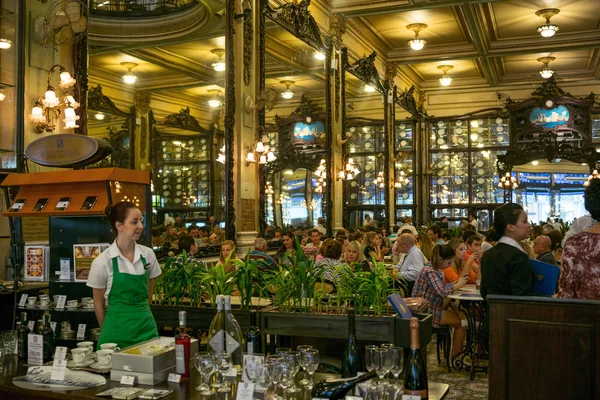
(511, 242)
(411, 265)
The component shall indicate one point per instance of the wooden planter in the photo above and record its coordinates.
(197, 317)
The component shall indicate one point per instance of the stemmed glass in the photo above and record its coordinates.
(302, 349)
(253, 367)
(280, 351)
(397, 364)
(265, 376)
(205, 364)
(223, 365)
(311, 362)
(275, 372)
(370, 360)
(286, 374)
(384, 364)
(389, 347)
(293, 360)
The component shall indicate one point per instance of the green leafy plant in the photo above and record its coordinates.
(246, 278)
(177, 281)
(218, 281)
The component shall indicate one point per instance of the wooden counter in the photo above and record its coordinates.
(184, 390)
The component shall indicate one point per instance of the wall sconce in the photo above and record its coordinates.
(379, 181)
(218, 65)
(269, 189)
(321, 175)
(402, 180)
(129, 78)
(215, 99)
(546, 72)
(446, 79)
(5, 44)
(287, 94)
(47, 110)
(417, 43)
(548, 29)
(349, 172)
(2, 95)
(349, 136)
(508, 181)
(260, 150)
(221, 157)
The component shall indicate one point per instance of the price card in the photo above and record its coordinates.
(60, 302)
(245, 391)
(53, 326)
(81, 332)
(60, 353)
(231, 373)
(175, 378)
(23, 300)
(35, 347)
(31, 325)
(65, 269)
(128, 380)
(58, 370)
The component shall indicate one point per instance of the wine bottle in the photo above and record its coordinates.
(335, 390)
(47, 340)
(234, 342)
(216, 332)
(253, 338)
(351, 361)
(22, 333)
(415, 374)
(182, 349)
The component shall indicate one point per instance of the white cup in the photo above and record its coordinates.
(72, 303)
(87, 300)
(31, 300)
(88, 346)
(44, 301)
(109, 346)
(104, 356)
(79, 354)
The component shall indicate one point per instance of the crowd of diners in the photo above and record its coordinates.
(432, 262)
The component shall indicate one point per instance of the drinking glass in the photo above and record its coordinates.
(9, 342)
(293, 359)
(280, 351)
(312, 363)
(265, 376)
(397, 367)
(253, 367)
(275, 372)
(223, 364)
(205, 364)
(370, 359)
(302, 349)
(384, 364)
(388, 346)
(286, 375)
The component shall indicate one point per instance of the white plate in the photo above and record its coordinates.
(498, 120)
(461, 140)
(405, 196)
(480, 180)
(499, 129)
(500, 138)
(403, 143)
(368, 145)
(402, 126)
(38, 378)
(458, 181)
(442, 131)
(458, 131)
(440, 181)
(402, 134)
(480, 171)
(479, 130)
(101, 367)
(72, 307)
(458, 123)
(440, 141)
(479, 163)
(440, 123)
(353, 196)
(85, 363)
(480, 194)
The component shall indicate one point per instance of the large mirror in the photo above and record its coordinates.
(403, 156)
(296, 125)
(365, 165)
(170, 80)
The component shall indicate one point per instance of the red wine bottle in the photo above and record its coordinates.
(415, 374)
(335, 390)
(182, 349)
(351, 362)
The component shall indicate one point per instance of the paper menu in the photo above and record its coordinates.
(36, 267)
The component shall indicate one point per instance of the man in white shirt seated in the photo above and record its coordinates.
(408, 225)
(321, 226)
(315, 242)
(411, 265)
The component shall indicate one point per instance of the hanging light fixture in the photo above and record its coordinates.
(594, 175)
(269, 191)
(349, 172)
(546, 72)
(221, 157)
(215, 99)
(548, 29)
(287, 94)
(99, 116)
(129, 78)
(2, 95)
(417, 43)
(321, 175)
(48, 109)
(402, 180)
(508, 181)
(219, 65)
(319, 55)
(5, 44)
(446, 79)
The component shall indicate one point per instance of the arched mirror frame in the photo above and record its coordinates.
(296, 19)
(365, 70)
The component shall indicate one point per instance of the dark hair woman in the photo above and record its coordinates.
(123, 276)
(287, 249)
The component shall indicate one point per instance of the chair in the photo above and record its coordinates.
(444, 341)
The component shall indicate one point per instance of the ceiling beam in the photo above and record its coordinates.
(479, 41)
(362, 10)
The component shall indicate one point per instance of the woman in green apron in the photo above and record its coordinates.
(122, 278)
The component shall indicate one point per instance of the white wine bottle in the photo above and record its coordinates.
(234, 337)
(216, 332)
(415, 374)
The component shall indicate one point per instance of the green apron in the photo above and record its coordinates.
(128, 320)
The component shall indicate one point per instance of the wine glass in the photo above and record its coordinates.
(205, 364)
(280, 351)
(286, 375)
(265, 377)
(370, 359)
(388, 346)
(275, 373)
(311, 364)
(384, 365)
(397, 364)
(293, 359)
(302, 349)
(253, 368)
(223, 365)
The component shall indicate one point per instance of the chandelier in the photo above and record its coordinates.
(269, 191)
(215, 98)
(287, 94)
(48, 109)
(218, 65)
(283, 198)
(546, 72)
(380, 180)
(508, 181)
(321, 175)
(349, 172)
(417, 43)
(548, 29)
(129, 78)
(594, 175)
(221, 157)
(261, 151)
(446, 79)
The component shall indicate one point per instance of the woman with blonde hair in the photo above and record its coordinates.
(372, 246)
(426, 245)
(460, 267)
(227, 250)
(355, 258)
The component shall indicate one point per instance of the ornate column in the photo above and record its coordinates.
(391, 70)
(337, 29)
(142, 131)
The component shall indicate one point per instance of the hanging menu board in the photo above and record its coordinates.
(35, 229)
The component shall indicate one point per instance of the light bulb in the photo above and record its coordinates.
(219, 66)
(260, 148)
(271, 157)
(445, 80)
(5, 44)
(250, 157)
(369, 89)
(547, 30)
(99, 116)
(546, 72)
(129, 78)
(214, 103)
(66, 80)
(37, 115)
(417, 44)
(288, 94)
(2, 95)
(535, 162)
(221, 158)
(319, 56)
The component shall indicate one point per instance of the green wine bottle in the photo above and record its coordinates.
(415, 374)
(351, 361)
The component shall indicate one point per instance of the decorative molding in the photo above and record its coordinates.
(345, 212)
(229, 120)
(407, 101)
(97, 101)
(391, 70)
(307, 108)
(297, 19)
(262, 170)
(184, 120)
(365, 70)
(337, 29)
(141, 101)
(550, 89)
(248, 46)
(328, 194)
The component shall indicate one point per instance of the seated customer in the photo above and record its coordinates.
(459, 266)
(227, 251)
(354, 257)
(265, 261)
(411, 265)
(430, 286)
(372, 247)
(188, 244)
(332, 252)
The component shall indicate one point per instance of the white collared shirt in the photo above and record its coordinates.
(101, 273)
(511, 242)
(411, 265)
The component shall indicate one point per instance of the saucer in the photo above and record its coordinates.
(72, 307)
(101, 367)
(85, 363)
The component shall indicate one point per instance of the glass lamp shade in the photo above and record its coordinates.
(66, 80)
(70, 123)
(341, 175)
(219, 66)
(99, 116)
(288, 94)
(250, 157)
(221, 158)
(547, 30)
(445, 80)
(37, 115)
(417, 44)
(271, 157)
(50, 99)
(369, 89)
(546, 73)
(262, 159)
(2, 95)
(317, 173)
(69, 112)
(129, 78)
(5, 44)
(214, 103)
(349, 176)
(260, 147)
(319, 56)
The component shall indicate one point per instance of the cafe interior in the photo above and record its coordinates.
(275, 113)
